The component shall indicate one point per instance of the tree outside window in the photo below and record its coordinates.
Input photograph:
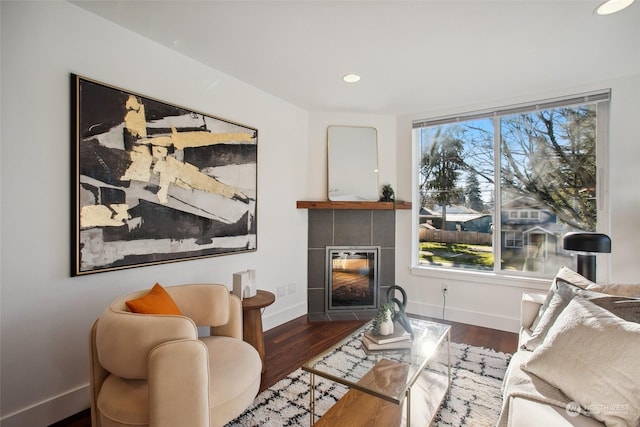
(542, 186)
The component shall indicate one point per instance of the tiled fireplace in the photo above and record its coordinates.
(354, 234)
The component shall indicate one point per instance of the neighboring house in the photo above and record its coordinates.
(530, 237)
(530, 232)
(459, 218)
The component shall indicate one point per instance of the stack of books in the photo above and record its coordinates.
(398, 340)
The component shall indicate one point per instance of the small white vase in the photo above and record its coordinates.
(386, 327)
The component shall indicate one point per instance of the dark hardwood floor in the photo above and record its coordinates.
(289, 345)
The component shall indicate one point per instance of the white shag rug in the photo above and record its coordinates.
(474, 398)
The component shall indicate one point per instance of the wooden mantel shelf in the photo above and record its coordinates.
(327, 204)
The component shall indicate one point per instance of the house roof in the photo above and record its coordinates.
(524, 202)
(451, 209)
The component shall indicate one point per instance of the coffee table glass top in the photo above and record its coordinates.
(386, 374)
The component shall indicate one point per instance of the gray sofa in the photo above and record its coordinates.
(546, 389)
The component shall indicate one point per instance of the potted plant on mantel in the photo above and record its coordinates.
(388, 195)
(383, 322)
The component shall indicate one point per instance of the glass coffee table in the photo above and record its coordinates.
(417, 377)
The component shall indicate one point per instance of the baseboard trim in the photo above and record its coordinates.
(50, 411)
(487, 320)
(279, 317)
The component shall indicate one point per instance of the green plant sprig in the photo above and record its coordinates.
(382, 316)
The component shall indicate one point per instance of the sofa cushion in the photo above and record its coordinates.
(591, 355)
(565, 275)
(156, 301)
(235, 370)
(561, 297)
(530, 413)
(522, 384)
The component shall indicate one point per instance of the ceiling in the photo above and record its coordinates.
(412, 56)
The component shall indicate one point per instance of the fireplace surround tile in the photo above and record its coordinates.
(316, 268)
(328, 227)
(316, 301)
(321, 234)
(352, 227)
(383, 229)
(387, 270)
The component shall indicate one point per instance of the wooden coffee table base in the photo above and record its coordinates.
(359, 409)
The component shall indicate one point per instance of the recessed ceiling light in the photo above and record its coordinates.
(613, 6)
(351, 78)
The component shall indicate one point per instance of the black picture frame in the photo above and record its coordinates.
(154, 182)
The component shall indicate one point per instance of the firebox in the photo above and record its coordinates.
(352, 277)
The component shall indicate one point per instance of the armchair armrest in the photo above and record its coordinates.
(179, 384)
(529, 307)
(123, 340)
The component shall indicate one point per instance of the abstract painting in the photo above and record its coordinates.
(156, 183)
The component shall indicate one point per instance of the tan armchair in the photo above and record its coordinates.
(149, 369)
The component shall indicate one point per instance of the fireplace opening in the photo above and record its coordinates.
(352, 277)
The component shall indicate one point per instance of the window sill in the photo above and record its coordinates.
(483, 277)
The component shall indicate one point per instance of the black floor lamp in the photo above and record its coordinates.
(587, 245)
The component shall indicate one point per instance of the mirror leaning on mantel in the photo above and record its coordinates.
(352, 157)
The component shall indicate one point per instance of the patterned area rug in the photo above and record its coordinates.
(474, 398)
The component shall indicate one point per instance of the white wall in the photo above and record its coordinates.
(488, 300)
(45, 314)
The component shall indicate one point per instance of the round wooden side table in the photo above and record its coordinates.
(252, 320)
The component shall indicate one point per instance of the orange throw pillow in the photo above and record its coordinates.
(156, 301)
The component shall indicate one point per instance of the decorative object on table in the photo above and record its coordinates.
(383, 335)
(398, 340)
(399, 334)
(400, 315)
(395, 345)
(244, 284)
(587, 245)
(155, 183)
(383, 322)
(388, 194)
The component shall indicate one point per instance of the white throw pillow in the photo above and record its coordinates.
(570, 277)
(591, 355)
(576, 279)
(567, 275)
(560, 299)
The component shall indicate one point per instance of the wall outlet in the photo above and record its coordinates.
(292, 288)
(281, 291)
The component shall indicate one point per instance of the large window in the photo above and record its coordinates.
(497, 190)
